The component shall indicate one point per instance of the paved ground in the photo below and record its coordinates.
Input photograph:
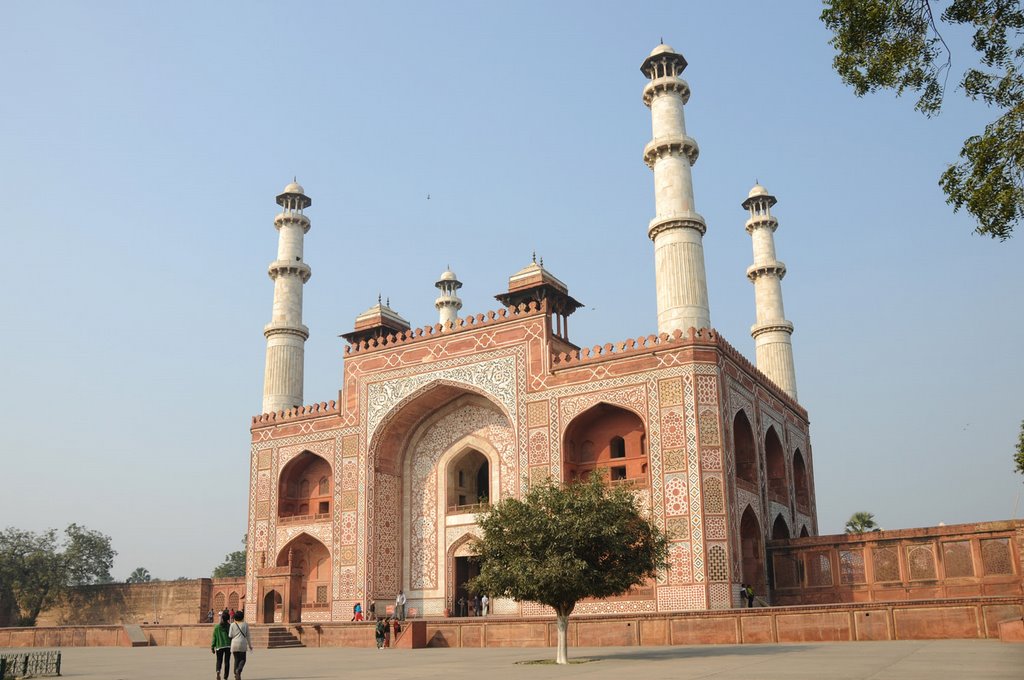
(954, 659)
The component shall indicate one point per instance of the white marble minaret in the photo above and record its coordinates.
(286, 335)
(772, 342)
(448, 303)
(677, 230)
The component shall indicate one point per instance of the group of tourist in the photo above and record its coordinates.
(477, 606)
(230, 640)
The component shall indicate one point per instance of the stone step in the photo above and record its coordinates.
(273, 637)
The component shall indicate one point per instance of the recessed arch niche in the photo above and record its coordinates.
(607, 438)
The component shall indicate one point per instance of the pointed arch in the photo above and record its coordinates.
(744, 449)
(801, 485)
(606, 437)
(391, 438)
(780, 529)
(307, 555)
(775, 466)
(301, 491)
(752, 550)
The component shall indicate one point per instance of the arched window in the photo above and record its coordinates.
(745, 449)
(233, 601)
(775, 464)
(800, 484)
(610, 440)
(218, 603)
(468, 481)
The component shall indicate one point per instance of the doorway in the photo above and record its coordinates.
(465, 569)
(272, 602)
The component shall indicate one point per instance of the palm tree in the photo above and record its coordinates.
(140, 575)
(860, 522)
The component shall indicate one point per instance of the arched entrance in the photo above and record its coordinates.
(775, 464)
(419, 500)
(463, 566)
(752, 550)
(272, 607)
(309, 558)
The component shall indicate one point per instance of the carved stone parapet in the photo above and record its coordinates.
(292, 218)
(661, 224)
(762, 328)
(667, 84)
(279, 267)
(675, 145)
(284, 329)
(756, 270)
(759, 221)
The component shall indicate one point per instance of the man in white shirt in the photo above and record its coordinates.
(400, 606)
(483, 605)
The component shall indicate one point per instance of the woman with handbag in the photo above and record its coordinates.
(239, 634)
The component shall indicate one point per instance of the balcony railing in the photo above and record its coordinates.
(303, 519)
(466, 509)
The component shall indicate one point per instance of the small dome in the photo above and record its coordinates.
(757, 190)
(447, 275)
(294, 188)
(661, 49)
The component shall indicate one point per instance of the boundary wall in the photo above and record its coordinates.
(956, 618)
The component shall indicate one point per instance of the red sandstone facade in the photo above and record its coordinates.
(351, 501)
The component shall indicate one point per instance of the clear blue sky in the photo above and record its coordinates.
(142, 145)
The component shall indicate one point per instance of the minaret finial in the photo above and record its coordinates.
(661, 40)
(534, 257)
(378, 298)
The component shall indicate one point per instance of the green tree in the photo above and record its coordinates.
(860, 522)
(140, 575)
(1018, 457)
(233, 565)
(560, 544)
(897, 45)
(36, 570)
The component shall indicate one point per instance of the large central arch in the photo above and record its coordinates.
(441, 427)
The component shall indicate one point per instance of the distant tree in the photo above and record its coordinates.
(1018, 457)
(140, 575)
(36, 570)
(233, 565)
(897, 45)
(560, 544)
(860, 522)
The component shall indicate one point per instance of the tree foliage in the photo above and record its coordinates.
(36, 569)
(233, 565)
(897, 45)
(1018, 457)
(860, 522)
(140, 575)
(560, 544)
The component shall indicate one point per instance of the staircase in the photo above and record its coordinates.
(273, 637)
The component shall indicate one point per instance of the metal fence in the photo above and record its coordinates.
(29, 664)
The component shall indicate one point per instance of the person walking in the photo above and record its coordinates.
(400, 606)
(221, 646)
(387, 632)
(378, 632)
(476, 605)
(462, 605)
(484, 601)
(357, 612)
(749, 593)
(372, 611)
(239, 635)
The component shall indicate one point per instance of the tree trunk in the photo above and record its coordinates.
(563, 642)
